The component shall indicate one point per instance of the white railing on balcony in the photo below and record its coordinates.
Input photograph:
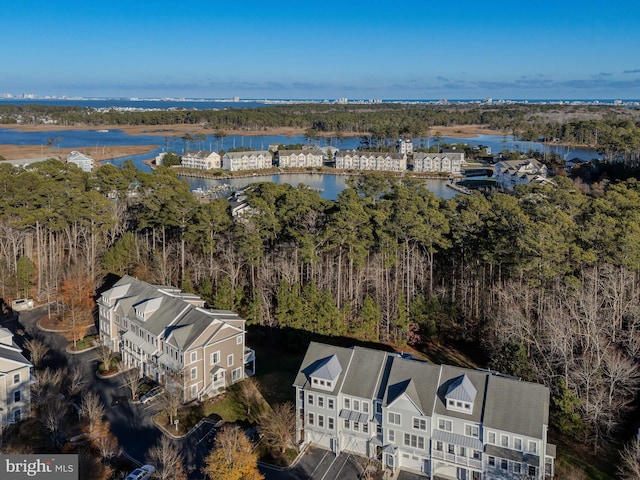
(457, 459)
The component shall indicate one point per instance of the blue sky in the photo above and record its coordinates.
(324, 49)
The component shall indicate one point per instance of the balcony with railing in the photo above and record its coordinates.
(457, 459)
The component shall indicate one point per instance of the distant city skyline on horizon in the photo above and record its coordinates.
(559, 50)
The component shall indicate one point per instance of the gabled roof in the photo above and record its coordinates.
(527, 404)
(317, 354)
(169, 312)
(327, 368)
(417, 380)
(406, 388)
(365, 372)
(461, 389)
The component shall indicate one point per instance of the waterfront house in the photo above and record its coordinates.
(405, 145)
(247, 160)
(169, 336)
(357, 160)
(84, 162)
(435, 420)
(449, 162)
(15, 381)
(305, 158)
(200, 160)
(510, 173)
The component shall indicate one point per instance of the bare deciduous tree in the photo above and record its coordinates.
(38, 351)
(104, 441)
(170, 400)
(279, 426)
(92, 410)
(167, 459)
(76, 379)
(53, 422)
(629, 466)
(132, 380)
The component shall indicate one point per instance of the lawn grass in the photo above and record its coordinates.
(227, 407)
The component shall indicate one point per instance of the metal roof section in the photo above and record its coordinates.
(456, 439)
(461, 389)
(328, 369)
(353, 416)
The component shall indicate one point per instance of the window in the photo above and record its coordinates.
(532, 470)
(504, 441)
(391, 435)
(239, 340)
(356, 405)
(320, 401)
(311, 419)
(365, 407)
(365, 428)
(413, 441)
(517, 444)
(16, 378)
(491, 461)
(471, 430)
(439, 446)
(194, 356)
(491, 438)
(310, 399)
(236, 374)
(16, 415)
(356, 427)
(17, 396)
(451, 448)
(330, 404)
(504, 465)
(215, 358)
(320, 421)
(393, 418)
(347, 403)
(533, 447)
(419, 423)
(462, 451)
(330, 423)
(347, 424)
(476, 455)
(378, 407)
(444, 424)
(194, 373)
(517, 467)
(194, 391)
(229, 360)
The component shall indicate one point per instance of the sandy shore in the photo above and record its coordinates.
(458, 131)
(21, 152)
(18, 152)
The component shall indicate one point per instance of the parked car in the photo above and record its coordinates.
(142, 473)
(150, 394)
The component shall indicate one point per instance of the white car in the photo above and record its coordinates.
(142, 473)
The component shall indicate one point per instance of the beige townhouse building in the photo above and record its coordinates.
(170, 336)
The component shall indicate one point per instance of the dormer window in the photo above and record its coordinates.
(325, 373)
(460, 395)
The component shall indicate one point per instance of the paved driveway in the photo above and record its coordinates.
(319, 464)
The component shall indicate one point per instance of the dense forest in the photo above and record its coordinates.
(611, 129)
(546, 280)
